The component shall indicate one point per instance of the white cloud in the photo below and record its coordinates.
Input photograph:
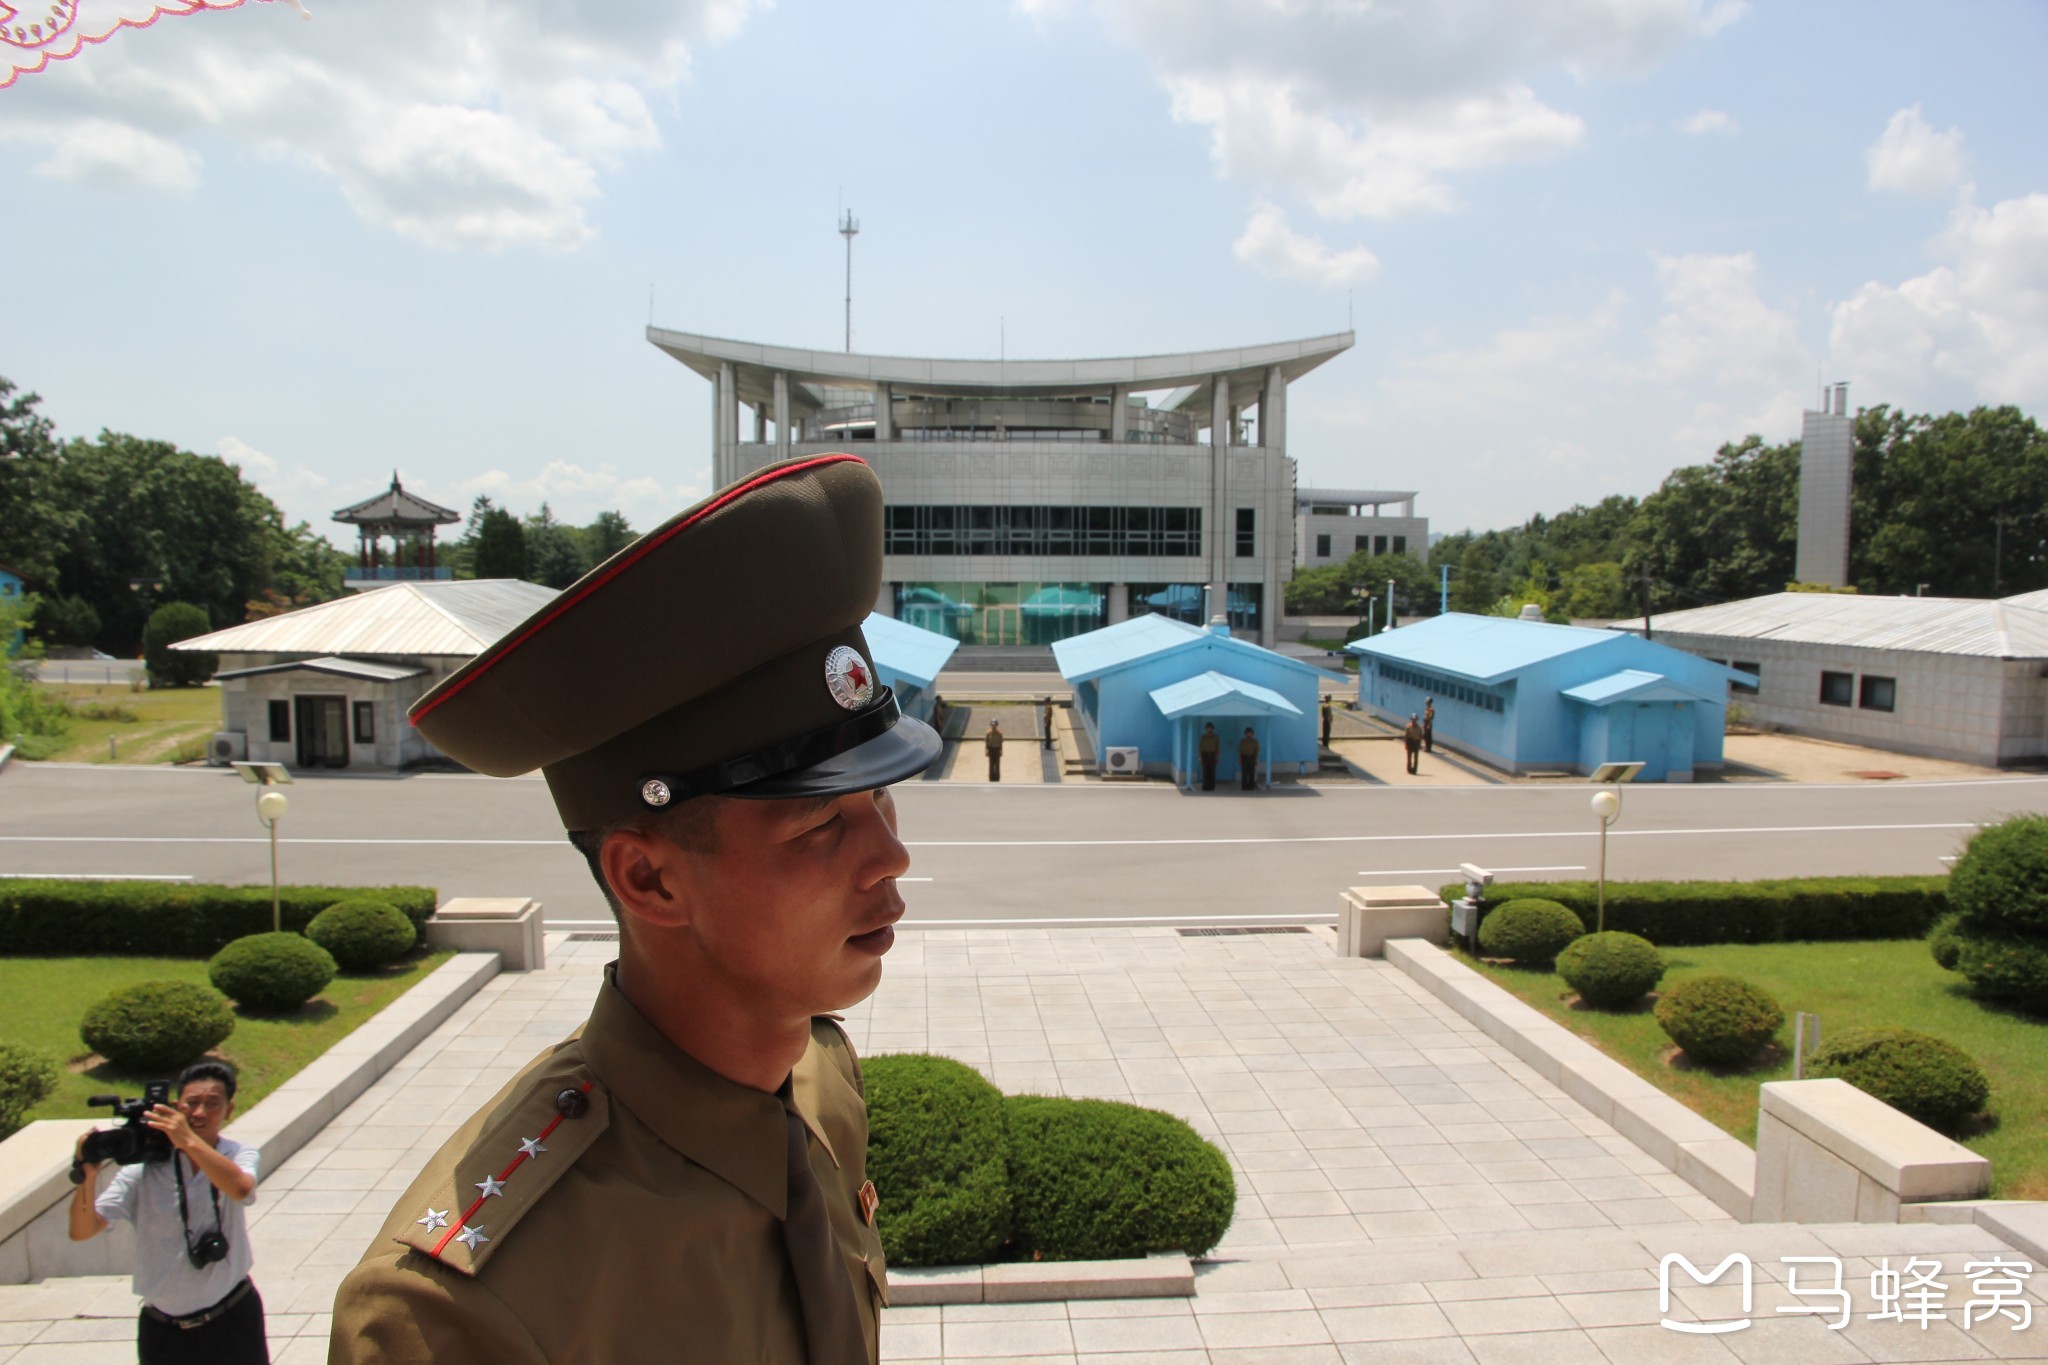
(1709, 122)
(1972, 330)
(108, 154)
(1910, 157)
(1716, 327)
(1366, 110)
(1272, 248)
(462, 126)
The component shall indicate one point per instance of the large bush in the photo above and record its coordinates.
(156, 1027)
(1095, 1180)
(165, 919)
(1718, 1020)
(26, 1077)
(168, 624)
(2001, 881)
(1611, 970)
(1933, 1081)
(363, 934)
(2013, 970)
(271, 973)
(1529, 930)
(939, 1159)
(1786, 910)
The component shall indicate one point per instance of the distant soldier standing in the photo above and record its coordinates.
(1326, 722)
(1412, 738)
(1248, 760)
(1429, 725)
(1211, 750)
(993, 742)
(1047, 713)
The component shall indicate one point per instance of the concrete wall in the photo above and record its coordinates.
(1127, 714)
(1344, 532)
(1976, 710)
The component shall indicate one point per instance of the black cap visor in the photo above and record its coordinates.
(903, 750)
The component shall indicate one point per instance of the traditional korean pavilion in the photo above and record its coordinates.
(409, 521)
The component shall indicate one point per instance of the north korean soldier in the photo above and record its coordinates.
(1248, 760)
(992, 743)
(683, 1180)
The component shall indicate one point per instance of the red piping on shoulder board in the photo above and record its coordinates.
(749, 486)
(501, 1177)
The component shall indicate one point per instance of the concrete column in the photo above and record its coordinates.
(760, 423)
(728, 422)
(1273, 412)
(885, 418)
(782, 433)
(1279, 515)
(1120, 413)
(1119, 603)
(1222, 529)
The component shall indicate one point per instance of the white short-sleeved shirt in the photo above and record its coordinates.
(146, 1195)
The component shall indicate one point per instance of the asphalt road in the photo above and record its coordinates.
(1074, 853)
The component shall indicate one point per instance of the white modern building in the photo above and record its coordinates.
(1332, 524)
(1958, 678)
(1030, 500)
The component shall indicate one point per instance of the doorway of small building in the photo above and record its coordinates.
(322, 726)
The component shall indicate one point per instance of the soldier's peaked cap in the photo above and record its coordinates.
(719, 653)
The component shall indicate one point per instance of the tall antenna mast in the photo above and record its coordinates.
(849, 227)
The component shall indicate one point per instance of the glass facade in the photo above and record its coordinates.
(1004, 613)
(1005, 530)
(1184, 602)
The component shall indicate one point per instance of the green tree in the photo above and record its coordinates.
(67, 621)
(500, 546)
(34, 522)
(554, 553)
(1957, 502)
(1475, 583)
(606, 536)
(168, 624)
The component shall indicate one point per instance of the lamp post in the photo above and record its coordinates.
(270, 808)
(1607, 806)
(1390, 605)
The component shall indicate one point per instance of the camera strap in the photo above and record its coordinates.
(184, 1218)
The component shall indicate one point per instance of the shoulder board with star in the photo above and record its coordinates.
(507, 1170)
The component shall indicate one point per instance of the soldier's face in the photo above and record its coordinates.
(799, 901)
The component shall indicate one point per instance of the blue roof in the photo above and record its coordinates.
(1633, 684)
(1483, 648)
(910, 652)
(1219, 694)
(1081, 657)
(1096, 652)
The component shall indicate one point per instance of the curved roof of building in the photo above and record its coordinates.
(2008, 629)
(452, 617)
(755, 365)
(395, 505)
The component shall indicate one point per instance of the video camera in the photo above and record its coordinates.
(134, 1141)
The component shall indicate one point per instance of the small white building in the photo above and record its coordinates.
(1332, 524)
(328, 686)
(1957, 678)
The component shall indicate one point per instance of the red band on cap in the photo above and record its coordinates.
(646, 549)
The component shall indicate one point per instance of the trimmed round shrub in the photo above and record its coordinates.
(157, 1027)
(1611, 970)
(1097, 1180)
(1932, 1081)
(1718, 1020)
(271, 973)
(168, 624)
(26, 1078)
(2001, 882)
(2014, 970)
(1943, 942)
(362, 935)
(939, 1160)
(1529, 930)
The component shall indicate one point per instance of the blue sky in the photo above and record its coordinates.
(1583, 242)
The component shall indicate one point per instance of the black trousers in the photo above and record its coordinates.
(995, 767)
(1429, 738)
(1248, 775)
(234, 1338)
(1208, 774)
(1414, 754)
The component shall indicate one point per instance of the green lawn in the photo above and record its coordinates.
(164, 723)
(1848, 985)
(46, 997)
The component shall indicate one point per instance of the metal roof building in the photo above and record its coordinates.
(1521, 695)
(1950, 677)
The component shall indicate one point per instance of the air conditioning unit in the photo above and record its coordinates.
(227, 746)
(1122, 762)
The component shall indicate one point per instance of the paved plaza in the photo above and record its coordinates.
(1407, 1190)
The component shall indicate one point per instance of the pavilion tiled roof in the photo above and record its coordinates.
(394, 504)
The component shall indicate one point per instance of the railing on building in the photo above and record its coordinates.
(396, 573)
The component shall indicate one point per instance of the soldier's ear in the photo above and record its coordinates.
(645, 876)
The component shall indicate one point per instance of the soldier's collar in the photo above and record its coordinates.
(734, 1131)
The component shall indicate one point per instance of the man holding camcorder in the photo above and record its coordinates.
(185, 1188)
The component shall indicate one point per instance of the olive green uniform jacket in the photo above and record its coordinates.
(638, 1219)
